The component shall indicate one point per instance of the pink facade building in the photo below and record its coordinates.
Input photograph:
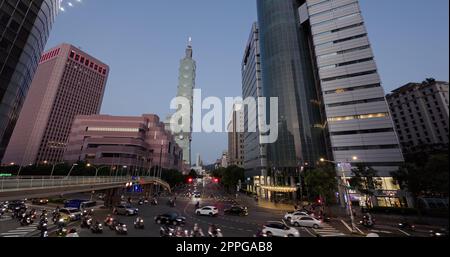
(67, 83)
(134, 143)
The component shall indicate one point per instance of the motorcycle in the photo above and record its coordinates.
(166, 231)
(139, 224)
(42, 224)
(154, 202)
(26, 221)
(260, 233)
(368, 222)
(87, 222)
(406, 225)
(121, 229)
(61, 232)
(97, 228)
(215, 232)
(108, 221)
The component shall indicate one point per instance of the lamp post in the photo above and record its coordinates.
(344, 185)
(53, 168)
(96, 169)
(70, 171)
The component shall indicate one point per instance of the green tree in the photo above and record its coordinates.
(173, 177)
(364, 181)
(322, 182)
(231, 177)
(428, 179)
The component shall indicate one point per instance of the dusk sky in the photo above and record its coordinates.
(144, 40)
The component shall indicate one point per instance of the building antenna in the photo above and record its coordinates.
(190, 42)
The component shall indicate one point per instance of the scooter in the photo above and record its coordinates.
(406, 225)
(215, 233)
(139, 224)
(97, 228)
(121, 229)
(166, 231)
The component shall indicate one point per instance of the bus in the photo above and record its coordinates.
(79, 204)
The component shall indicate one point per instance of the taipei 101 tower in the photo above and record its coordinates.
(186, 85)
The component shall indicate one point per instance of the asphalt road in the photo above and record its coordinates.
(211, 195)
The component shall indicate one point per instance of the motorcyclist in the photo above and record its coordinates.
(197, 205)
(73, 233)
(214, 231)
(139, 222)
(197, 231)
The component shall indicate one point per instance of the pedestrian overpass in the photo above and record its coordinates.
(14, 188)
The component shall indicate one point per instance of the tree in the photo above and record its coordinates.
(428, 179)
(322, 182)
(364, 182)
(193, 174)
(173, 177)
(231, 177)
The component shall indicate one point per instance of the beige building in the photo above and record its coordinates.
(421, 115)
(236, 137)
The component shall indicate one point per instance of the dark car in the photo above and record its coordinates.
(17, 205)
(40, 201)
(237, 210)
(172, 218)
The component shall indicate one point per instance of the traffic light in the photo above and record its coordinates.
(216, 180)
(190, 180)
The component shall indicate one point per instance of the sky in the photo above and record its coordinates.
(143, 41)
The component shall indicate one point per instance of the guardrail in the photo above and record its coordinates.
(34, 182)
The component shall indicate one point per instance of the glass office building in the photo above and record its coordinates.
(287, 73)
(24, 29)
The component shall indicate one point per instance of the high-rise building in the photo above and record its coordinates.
(316, 57)
(255, 153)
(24, 29)
(236, 137)
(421, 116)
(186, 85)
(136, 143)
(68, 82)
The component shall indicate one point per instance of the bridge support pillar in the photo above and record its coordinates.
(113, 197)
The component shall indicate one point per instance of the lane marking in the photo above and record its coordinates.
(404, 232)
(309, 232)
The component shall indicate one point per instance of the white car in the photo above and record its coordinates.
(290, 215)
(208, 210)
(304, 221)
(279, 229)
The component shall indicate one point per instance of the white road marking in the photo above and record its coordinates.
(404, 232)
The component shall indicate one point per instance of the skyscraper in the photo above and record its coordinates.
(287, 73)
(255, 153)
(236, 136)
(24, 29)
(68, 82)
(186, 85)
(316, 57)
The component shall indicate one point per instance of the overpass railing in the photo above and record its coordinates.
(33, 182)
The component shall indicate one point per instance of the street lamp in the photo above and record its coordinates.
(347, 195)
(70, 171)
(53, 168)
(96, 169)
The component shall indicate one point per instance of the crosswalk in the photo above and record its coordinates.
(20, 231)
(328, 231)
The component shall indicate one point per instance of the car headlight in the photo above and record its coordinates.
(61, 220)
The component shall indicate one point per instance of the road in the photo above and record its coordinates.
(211, 195)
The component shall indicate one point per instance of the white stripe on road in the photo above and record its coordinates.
(309, 232)
(13, 233)
(404, 232)
(347, 226)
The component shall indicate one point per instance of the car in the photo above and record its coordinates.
(72, 213)
(197, 195)
(171, 218)
(208, 210)
(40, 201)
(125, 209)
(279, 229)
(17, 205)
(304, 221)
(237, 210)
(288, 216)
